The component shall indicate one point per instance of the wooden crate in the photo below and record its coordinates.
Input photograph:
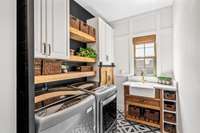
(74, 22)
(92, 31)
(84, 27)
(37, 67)
(84, 68)
(51, 67)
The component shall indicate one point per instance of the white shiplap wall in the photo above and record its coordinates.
(157, 22)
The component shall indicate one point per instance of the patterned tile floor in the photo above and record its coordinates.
(124, 126)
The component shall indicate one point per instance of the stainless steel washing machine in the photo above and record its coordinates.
(65, 110)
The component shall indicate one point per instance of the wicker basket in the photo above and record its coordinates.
(170, 117)
(84, 27)
(134, 111)
(92, 31)
(152, 116)
(51, 67)
(170, 106)
(74, 22)
(170, 128)
(38, 67)
(170, 95)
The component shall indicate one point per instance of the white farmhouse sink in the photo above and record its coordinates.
(145, 85)
(141, 89)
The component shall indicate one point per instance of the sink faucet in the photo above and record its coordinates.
(142, 75)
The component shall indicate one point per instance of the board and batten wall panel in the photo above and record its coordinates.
(143, 23)
(121, 57)
(166, 18)
(8, 66)
(157, 22)
(121, 28)
(165, 51)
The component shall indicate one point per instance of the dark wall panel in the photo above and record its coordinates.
(81, 13)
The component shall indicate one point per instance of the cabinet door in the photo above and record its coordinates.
(57, 29)
(39, 28)
(112, 60)
(102, 41)
(109, 45)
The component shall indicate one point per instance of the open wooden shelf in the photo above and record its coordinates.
(144, 106)
(81, 36)
(73, 58)
(130, 118)
(63, 76)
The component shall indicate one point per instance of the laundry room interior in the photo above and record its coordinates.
(100, 66)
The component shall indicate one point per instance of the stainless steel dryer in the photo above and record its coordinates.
(106, 99)
(65, 110)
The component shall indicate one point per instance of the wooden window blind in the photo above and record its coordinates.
(144, 39)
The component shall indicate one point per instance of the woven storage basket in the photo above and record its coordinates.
(92, 31)
(84, 27)
(170, 117)
(37, 67)
(74, 22)
(170, 106)
(51, 67)
(170, 95)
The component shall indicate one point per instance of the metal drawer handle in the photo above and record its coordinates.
(89, 110)
(44, 48)
(49, 49)
(108, 100)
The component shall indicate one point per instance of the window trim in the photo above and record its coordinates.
(146, 40)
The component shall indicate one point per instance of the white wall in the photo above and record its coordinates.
(187, 62)
(8, 66)
(157, 22)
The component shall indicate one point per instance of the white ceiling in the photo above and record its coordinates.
(112, 10)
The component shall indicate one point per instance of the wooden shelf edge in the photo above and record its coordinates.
(171, 123)
(81, 36)
(63, 76)
(144, 106)
(143, 122)
(73, 58)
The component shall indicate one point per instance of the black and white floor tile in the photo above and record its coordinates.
(124, 126)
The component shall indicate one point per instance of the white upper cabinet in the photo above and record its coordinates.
(39, 43)
(51, 29)
(104, 43)
(109, 45)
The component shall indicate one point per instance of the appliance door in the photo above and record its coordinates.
(108, 113)
(79, 118)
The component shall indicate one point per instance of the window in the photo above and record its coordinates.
(145, 55)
